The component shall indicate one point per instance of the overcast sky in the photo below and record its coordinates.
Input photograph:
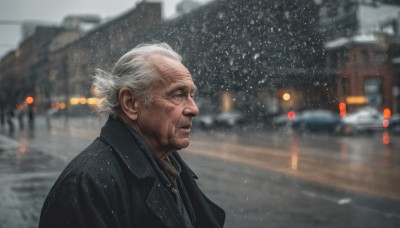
(56, 10)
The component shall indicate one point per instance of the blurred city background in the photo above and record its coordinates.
(299, 105)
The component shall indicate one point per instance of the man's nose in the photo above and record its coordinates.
(191, 108)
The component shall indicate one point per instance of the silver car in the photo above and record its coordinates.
(366, 119)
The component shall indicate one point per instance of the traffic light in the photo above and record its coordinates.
(387, 113)
(342, 109)
(291, 115)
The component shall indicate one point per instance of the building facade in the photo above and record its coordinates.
(241, 58)
(270, 60)
(65, 76)
(364, 72)
(359, 43)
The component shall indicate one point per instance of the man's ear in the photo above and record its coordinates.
(129, 103)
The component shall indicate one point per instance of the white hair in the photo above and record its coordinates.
(133, 70)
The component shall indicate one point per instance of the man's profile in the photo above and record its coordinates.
(132, 174)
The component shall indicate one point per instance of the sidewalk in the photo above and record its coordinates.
(60, 137)
(31, 160)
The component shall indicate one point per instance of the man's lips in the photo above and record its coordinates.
(185, 127)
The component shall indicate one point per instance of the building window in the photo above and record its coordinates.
(344, 57)
(344, 84)
(227, 101)
(378, 57)
(373, 91)
(333, 60)
(364, 56)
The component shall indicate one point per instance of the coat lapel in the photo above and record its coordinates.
(132, 153)
(161, 203)
(207, 213)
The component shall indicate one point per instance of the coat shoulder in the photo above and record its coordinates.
(88, 192)
(97, 162)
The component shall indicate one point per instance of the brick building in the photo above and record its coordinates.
(359, 42)
(364, 73)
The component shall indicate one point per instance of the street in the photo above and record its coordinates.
(260, 178)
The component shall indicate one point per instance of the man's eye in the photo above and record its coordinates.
(178, 98)
(179, 95)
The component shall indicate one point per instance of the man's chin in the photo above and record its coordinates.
(181, 144)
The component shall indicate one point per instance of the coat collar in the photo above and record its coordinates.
(125, 142)
(134, 153)
(118, 136)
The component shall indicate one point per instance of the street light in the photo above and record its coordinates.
(286, 96)
(29, 100)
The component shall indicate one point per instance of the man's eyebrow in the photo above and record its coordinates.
(181, 86)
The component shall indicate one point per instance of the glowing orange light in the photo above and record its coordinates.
(356, 100)
(82, 100)
(74, 101)
(342, 109)
(291, 115)
(62, 105)
(387, 113)
(29, 100)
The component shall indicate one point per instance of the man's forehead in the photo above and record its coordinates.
(188, 85)
(172, 73)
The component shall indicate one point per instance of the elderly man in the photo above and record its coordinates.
(132, 176)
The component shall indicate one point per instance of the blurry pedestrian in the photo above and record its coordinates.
(2, 115)
(21, 115)
(132, 174)
(10, 120)
(31, 117)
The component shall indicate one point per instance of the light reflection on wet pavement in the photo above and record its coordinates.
(30, 162)
(367, 163)
(25, 177)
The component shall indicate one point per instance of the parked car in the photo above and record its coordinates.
(204, 121)
(366, 119)
(229, 119)
(208, 112)
(318, 120)
(283, 120)
(394, 123)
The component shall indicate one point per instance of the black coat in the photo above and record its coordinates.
(112, 183)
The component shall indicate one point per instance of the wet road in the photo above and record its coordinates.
(327, 181)
(261, 179)
(366, 163)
